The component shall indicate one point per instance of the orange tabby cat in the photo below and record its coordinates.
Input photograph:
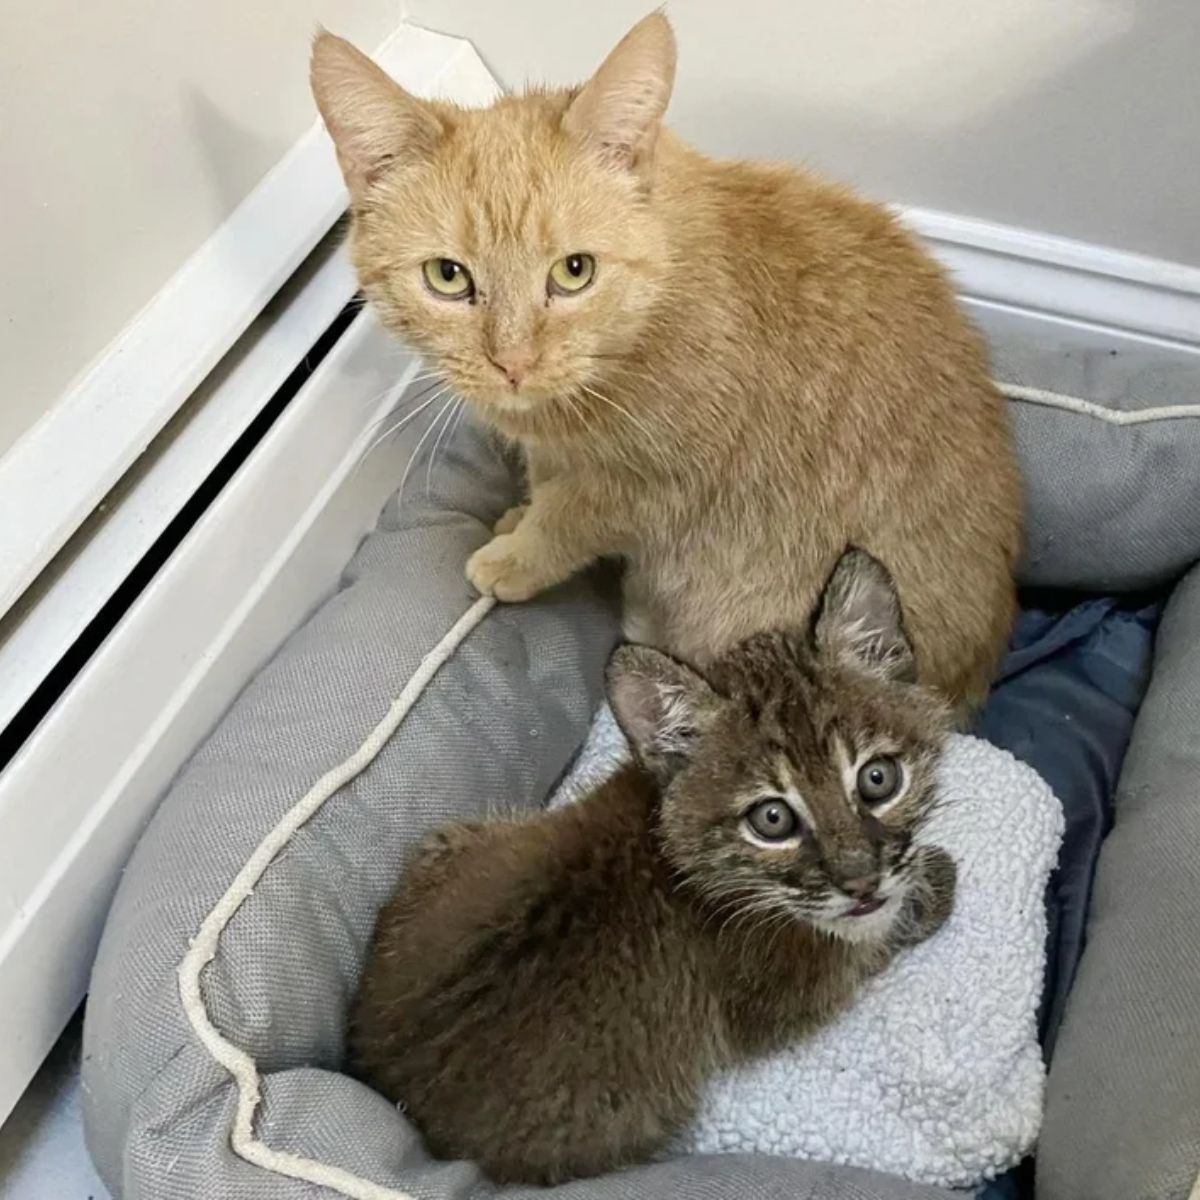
(721, 372)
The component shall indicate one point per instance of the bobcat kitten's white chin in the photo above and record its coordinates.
(840, 919)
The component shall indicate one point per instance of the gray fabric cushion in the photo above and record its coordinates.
(495, 728)
(1123, 1100)
(1111, 507)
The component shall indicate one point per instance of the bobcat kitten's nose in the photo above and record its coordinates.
(860, 887)
(855, 870)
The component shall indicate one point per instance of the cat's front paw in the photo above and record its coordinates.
(504, 569)
(931, 901)
(510, 520)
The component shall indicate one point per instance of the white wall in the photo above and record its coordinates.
(129, 129)
(1074, 117)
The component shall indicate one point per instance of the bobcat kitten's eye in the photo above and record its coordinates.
(772, 820)
(879, 779)
(447, 279)
(571, 274)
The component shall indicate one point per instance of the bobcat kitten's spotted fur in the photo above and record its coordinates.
(547, 995)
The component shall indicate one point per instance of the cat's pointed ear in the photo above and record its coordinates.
(661, 706)
(372, 120)
(620, 109)
(860, 619)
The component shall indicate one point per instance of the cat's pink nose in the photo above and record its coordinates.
(516, 362)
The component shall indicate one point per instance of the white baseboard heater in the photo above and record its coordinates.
(190, 500)
(94, 744)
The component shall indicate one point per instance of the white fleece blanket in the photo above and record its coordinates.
(935, 1073)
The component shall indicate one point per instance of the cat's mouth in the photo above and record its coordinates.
(864, 920)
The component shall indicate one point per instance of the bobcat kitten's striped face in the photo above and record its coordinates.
(798, 771)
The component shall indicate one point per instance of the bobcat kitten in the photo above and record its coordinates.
(547, 995)
(720, 372)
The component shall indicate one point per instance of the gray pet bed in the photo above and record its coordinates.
(239, 1095)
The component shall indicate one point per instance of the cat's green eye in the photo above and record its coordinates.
(571, 274)
(448, 279)
(879, 779)
(773, 821)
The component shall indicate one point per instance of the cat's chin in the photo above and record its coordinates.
(519, 415)
(508, 401)
(498, 405)
(873, 926)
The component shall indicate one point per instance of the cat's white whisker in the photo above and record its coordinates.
(411, 404)
(374, 398)
(725, 898)
(392, 429)
(787, 917)
(398, 425)
(767, 915)
(462, 408)
(726, 902)
(403, 400)
(575, 408)
(455, 408)
(416, 454)
(747, 902)
(637, 422)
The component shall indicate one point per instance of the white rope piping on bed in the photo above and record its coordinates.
(1113, 416)
(205, 944)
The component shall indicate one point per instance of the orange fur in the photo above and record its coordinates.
(764, 369)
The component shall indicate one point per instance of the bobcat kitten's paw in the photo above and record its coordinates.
(500, 569)
(932, 898)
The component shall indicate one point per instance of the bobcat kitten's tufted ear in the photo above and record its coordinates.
(620, 109)
(372, 120)
(661, 706)
(860, 618)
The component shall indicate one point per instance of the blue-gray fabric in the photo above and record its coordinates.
(1122, 1115)
(1065, 703)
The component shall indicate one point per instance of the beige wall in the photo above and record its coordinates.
(129, 129)
(1073, 117)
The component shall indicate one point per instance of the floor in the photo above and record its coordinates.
(42, 1155)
